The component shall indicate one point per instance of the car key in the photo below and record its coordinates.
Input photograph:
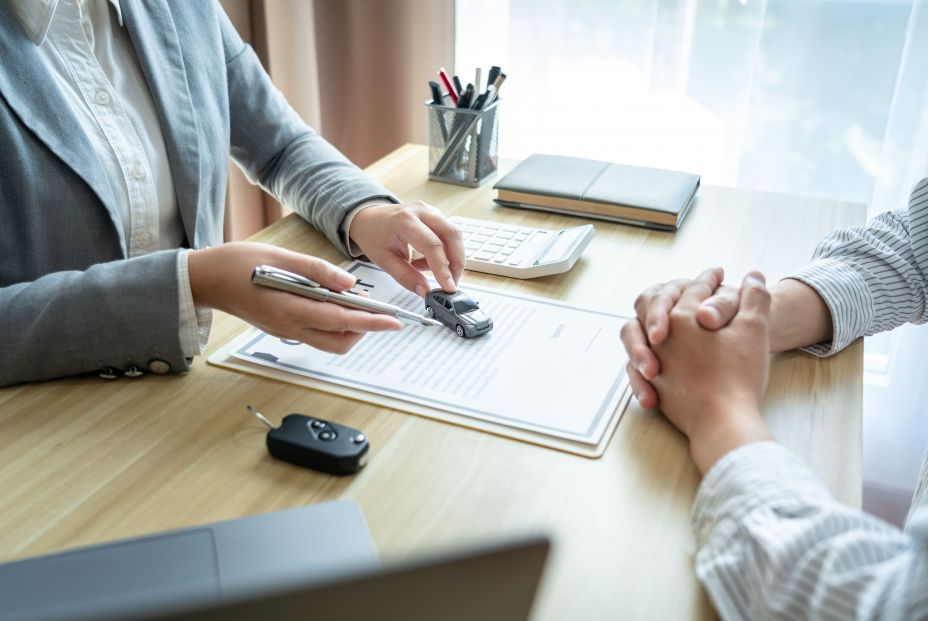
(315, 443)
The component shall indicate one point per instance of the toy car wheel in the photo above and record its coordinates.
(460, 330)
(429, 311)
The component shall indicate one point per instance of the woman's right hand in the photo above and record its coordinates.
(220, 278)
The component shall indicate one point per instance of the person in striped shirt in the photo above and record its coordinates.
(772, 542)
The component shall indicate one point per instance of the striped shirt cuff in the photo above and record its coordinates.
(761, 474)
(845, 293)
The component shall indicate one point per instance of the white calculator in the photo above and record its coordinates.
(520, 251)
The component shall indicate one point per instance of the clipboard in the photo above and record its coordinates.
(384, 368)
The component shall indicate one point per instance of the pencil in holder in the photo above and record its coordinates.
(463, 144)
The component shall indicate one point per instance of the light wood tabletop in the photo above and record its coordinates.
(85, 460)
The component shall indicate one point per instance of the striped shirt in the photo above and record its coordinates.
(773, 543)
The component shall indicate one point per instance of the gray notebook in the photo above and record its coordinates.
(637, 195)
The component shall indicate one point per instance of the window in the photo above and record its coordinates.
(814, 97)
(465, 306)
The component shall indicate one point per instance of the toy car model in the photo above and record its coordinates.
(458, 312)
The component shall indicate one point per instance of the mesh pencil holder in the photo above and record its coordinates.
(463, 144)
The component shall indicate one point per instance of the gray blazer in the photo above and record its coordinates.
(70, 300)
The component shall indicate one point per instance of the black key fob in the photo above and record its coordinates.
(318, 444)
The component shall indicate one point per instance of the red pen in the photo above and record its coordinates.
(444, 78)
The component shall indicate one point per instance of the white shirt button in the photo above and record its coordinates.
(138, 171)
(102, 97)
(146, 238)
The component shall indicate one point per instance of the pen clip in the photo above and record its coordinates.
(269, 271)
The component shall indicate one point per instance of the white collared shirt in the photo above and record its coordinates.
(88, 54)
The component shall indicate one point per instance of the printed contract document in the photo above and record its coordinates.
(547, 369)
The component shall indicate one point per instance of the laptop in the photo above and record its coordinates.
(489, 583)
(317, 561)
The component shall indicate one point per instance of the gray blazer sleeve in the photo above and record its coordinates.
(113, 314)
(282, 154)
(70, 302)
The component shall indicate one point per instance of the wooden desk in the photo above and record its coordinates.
(87, 460)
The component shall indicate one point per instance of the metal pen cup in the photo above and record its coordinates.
(463, 144)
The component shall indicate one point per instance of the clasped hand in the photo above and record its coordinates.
(701, 352)
(221, 277)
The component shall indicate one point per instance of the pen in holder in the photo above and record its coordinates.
(462, 144)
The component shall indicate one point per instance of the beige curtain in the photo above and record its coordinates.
(355, 70)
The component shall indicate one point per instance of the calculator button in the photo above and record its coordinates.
(471, 245)
(504, 235)
(492, 247)
(480, 238)
(483, 256)
(515, 262)
(505, 252)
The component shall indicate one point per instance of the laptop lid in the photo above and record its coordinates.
(490, 583)
(125, 579)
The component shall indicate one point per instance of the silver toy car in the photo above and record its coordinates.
(458, 312)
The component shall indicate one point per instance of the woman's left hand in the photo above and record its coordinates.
(386, 232)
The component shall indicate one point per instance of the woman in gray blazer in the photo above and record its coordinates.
(117, 121)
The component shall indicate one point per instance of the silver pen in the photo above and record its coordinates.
(276, 278)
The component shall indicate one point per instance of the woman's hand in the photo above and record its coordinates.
(385, 234)
(221, 278)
